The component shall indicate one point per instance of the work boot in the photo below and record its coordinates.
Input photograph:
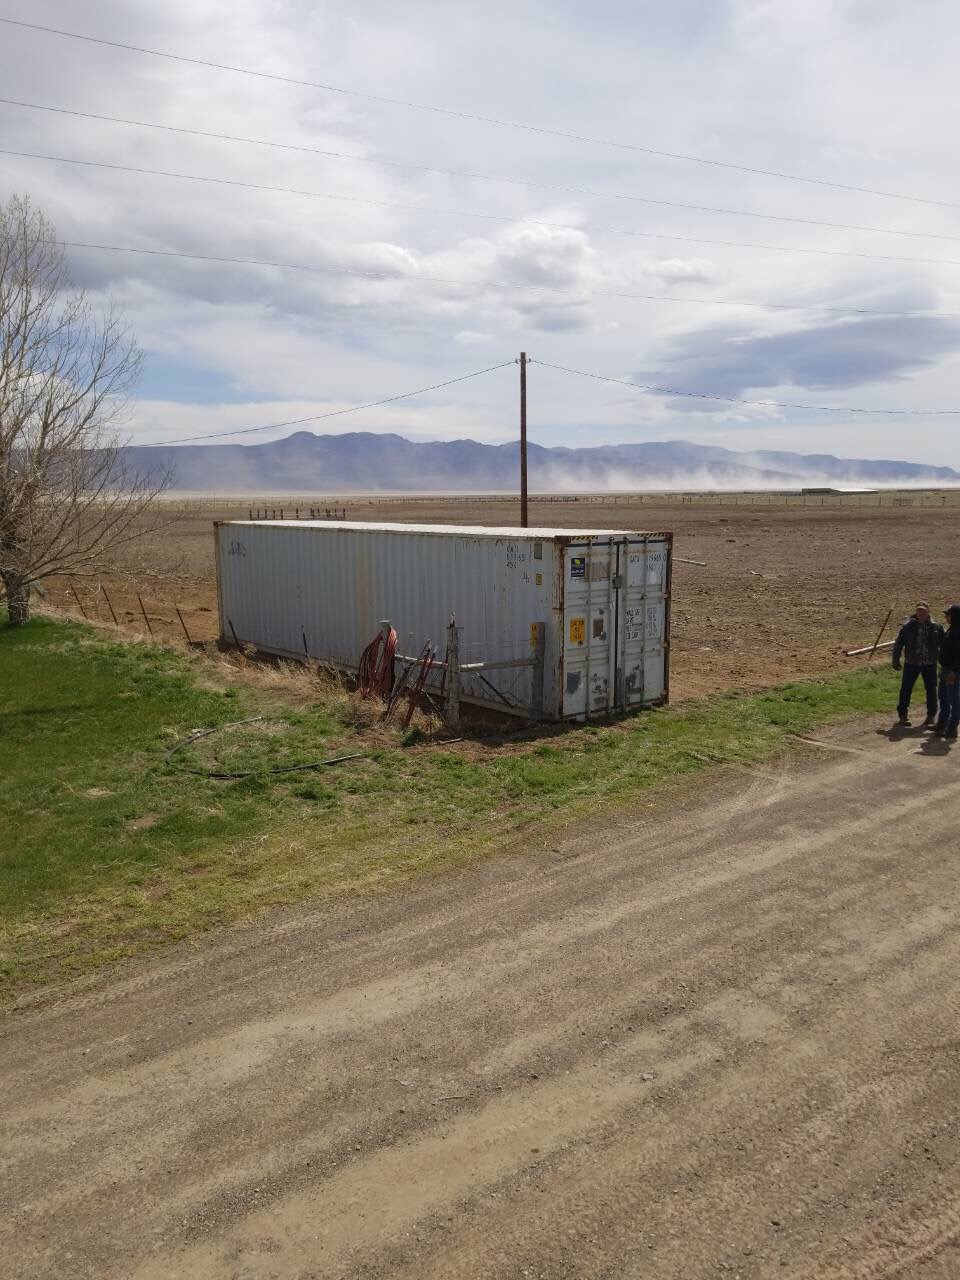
(930, 722)
(902, 718)
(951, 732)
(939, 726)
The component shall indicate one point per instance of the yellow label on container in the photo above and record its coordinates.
(578, 630)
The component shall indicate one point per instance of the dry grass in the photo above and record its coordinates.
(302, 686)
(295, 684)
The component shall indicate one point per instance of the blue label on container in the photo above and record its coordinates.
(578, 566)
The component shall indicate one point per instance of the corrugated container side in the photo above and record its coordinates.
(321, 590)
(297, 589)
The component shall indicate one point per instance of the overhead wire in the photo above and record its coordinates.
(546, 364)
(333, 413)
(767, 404)
(490, 217)
(400, 277)
(500, 218)
(325, 195)
(473, 116)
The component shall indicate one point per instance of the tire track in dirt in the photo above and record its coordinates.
(650, 1156)
(627, 1061)
(231, 948)
(586, 1098)
(223, 1060)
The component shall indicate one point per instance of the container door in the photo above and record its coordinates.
(642, 648)
(589, 629)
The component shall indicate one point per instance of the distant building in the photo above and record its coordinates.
(825, 492)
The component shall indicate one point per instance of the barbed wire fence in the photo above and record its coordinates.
(159, 616)
(343, 507)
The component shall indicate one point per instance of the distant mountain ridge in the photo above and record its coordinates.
(363, 462)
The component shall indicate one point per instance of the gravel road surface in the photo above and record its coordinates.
(715, 1036)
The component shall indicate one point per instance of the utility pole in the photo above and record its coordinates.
(523, 440)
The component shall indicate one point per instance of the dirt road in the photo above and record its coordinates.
(718, 1037)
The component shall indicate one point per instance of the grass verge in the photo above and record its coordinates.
(106, 848)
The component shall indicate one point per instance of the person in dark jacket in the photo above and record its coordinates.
(950, 674)
(918, 645)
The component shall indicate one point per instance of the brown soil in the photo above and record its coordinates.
(784, 590)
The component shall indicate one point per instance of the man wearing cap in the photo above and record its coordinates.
(950, 675)
(918, 644)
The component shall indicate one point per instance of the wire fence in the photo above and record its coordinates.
(287, 507)
(164, 620)
(512, 687)
(146, 612)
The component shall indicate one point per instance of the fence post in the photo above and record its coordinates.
(109, 605)
(79, 601)
(453, 674)
(145, 618)
(183, 624)
(538, 633)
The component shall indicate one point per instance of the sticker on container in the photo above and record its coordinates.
(578, 566)
(578, 630)
(539, 579)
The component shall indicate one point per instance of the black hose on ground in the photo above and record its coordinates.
(249, 773)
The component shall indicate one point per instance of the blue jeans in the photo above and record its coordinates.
(950, 699)
(911, 673)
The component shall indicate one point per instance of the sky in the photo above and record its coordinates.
(528, 236)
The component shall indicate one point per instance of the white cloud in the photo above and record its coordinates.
(680, 270)
(855, 93)
(428, 419)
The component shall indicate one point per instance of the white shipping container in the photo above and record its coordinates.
(321, 588)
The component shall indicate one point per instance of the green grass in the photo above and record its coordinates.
(106, 848)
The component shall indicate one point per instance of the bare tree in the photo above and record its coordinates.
(68, 501)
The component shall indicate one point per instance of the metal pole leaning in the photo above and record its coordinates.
(876, 642)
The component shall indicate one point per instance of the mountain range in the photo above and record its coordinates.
(363, 462)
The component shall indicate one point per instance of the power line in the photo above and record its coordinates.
(437, 386)
(334, 413)
(502, 284)
(461, 213)
(469, 213)
(474, 116)
(767, 404)
(324, 195)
